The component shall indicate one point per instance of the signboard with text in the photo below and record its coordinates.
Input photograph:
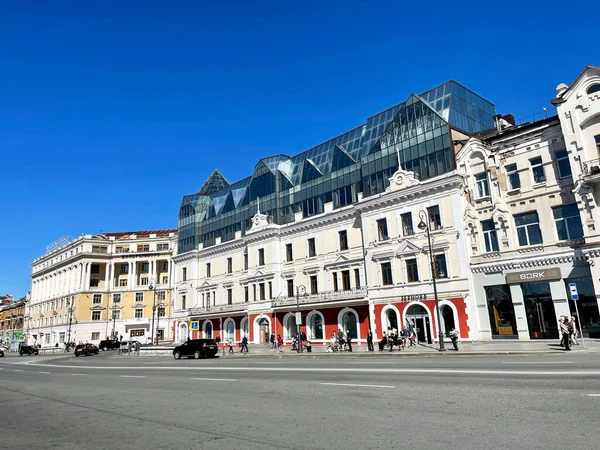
(531, 276)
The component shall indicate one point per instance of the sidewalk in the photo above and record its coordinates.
(504, 347)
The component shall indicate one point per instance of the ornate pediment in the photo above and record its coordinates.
(402, 179)
(407, 247)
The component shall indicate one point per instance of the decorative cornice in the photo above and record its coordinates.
(514, 265)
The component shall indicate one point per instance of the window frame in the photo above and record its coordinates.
(566, 221)
(412, 270)
(488, 241)
(140, 311)
(534, 166)
(433, 212)
(97, 314)
(526, 228)
(482, 184)
(289, 252)
(386, 273)
(512, 170)
(261, 257)
(406, 221)
(343, 239)
(312, 247)
(382, 230)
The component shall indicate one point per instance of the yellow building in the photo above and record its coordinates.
(11, 323)
(95, 287)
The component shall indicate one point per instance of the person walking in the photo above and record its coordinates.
(566, 338)
(272, 341)
(244, 345)
(454, 338)
(349, 340)
(279, 344)
(370, 341)
(573, 331)
(231, 345)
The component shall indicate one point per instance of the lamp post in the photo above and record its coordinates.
(152, 287)
(114, 317)
(424, 227)
(299, 316)
(70, 324)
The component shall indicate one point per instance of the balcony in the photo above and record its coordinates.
(137, 321)
(218, 309)
(591, 170)
(323, 297)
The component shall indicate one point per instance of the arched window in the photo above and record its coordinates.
(447, 319)
(316, 327)
(290, 327)
(244, 326)
(593, 89)
(229, 330)
(392, 319)
(349, 324)
(183, 332)
(208, 331)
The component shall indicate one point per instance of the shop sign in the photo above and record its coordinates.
(412, 298)
(533, 276)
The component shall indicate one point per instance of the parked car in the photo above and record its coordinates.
(196, 348)
(1, 353)
(28, 350)
(86, 350)
(109, 344)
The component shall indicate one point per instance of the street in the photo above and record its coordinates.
(340, 401)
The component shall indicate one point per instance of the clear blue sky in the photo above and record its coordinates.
(111, 111)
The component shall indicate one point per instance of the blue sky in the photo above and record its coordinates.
(111, 111)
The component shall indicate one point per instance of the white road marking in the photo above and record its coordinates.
(214, 379)
(47, 373)
(584, 373)
(132, 376)
(537, 362)
(357, 385)
(18, 370)
(593, 395)
(79, 374)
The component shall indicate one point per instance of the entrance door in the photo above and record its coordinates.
(418, 321)
(539, 307)
(264, 333)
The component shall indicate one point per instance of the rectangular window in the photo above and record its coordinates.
(346, 280)
(435, 220)
(288, 253)
(407, 224)
(564, 166)
(139, 313)
(254, 292)
(143, 248)
(483, 187)
(145, 267)
(144, 281)
(335, 281)
(261, 256)
(122, 249)
(343, 238)
(439, 262)
(116, 298)
(246, 294)
(229, 265)
(184, 274)
(116, 314)
(245, 261)
(537, 170)
(261, 291)
(230, 296)
(139, 296)
(94, 283)
(161, 312)
(124, 268)
(95, 268)
(96, 249)
(161, 296)
(123, 282)
(314, 287)
(95, 336)
(490, 236)
(382, 231)
(412, 272)
(312, 248)
(290, 288)
(528, 229)
(357, 278)
(514, 182)
(207, 270)
(165, 279)
(568, 222)
(162, 247)
(386, 274)
(96, 315)
(165, 266)
(97, 299)
(183, 302)
(270, 290)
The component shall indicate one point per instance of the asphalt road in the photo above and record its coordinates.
(328, 401)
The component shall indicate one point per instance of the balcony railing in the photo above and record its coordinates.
(323, 297)
(591, 168)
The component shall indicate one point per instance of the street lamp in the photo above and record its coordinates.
(299, 316)
(424, 227)
(70, 323)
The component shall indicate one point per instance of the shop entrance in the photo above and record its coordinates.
(417, 319)
(264, 331)
(539, 308)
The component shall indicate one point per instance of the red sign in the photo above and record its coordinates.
(41, 334)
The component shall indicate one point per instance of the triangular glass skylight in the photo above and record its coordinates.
(215, 183)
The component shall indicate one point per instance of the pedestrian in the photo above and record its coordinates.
(370, 341)
(279, 344)
(573, 331)
(349, 340)
(272, 341)
(245, 345)
(122, 347)
(566, 338)
(231, 345)
(137, 348)
(454, 338)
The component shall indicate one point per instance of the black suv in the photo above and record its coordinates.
(86, 349)
(196, 348)
(109, 344)
(28, 350)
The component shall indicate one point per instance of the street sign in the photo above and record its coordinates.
(41, 334)
(298, 318)
(573, 291)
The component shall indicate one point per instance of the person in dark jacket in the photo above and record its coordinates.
(349, 340)
(244, 345)
(370, 341)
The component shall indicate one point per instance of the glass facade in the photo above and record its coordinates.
(416, 133)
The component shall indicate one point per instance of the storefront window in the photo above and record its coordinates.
(501, 311)
(587, 303)
(539, 308)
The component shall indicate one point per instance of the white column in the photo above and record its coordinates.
(81, 273)
(88, 275)
(134, 274)
(106, 276)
